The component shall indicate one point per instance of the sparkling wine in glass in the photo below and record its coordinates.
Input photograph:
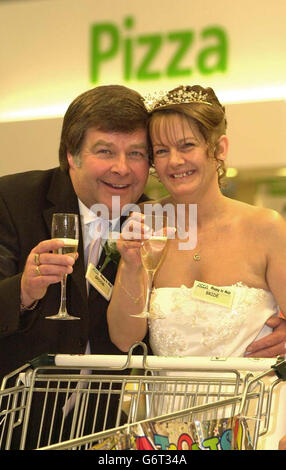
(152, 252)
(65, 227)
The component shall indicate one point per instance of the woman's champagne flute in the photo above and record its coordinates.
(65, 227)
(152, 252)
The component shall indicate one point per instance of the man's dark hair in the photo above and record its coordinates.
(110, 108)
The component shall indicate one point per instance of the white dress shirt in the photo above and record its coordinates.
(93, 228)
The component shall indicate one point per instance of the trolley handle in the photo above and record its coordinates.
(280, 368)
(118, 362)
(43, 360)
(121, 362)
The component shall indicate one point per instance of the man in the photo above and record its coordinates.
(103, 153)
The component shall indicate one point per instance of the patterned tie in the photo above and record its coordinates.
(97, 231)
(93, 256)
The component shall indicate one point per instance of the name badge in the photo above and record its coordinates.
(99, 282)
(213, 294)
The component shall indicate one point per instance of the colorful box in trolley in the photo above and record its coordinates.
(184, 403)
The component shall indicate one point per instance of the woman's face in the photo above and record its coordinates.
(181, 157)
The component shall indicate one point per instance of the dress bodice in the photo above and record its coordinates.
(189, 326)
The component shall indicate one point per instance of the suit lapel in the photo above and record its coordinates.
(61, 197)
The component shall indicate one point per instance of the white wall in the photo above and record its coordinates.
(29, 145)
(257, 135)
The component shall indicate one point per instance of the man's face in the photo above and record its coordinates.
(111, 164)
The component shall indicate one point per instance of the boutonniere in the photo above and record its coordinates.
(111, 252)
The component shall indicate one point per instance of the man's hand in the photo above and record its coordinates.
(282, 443)
(271, 345)
(43, 267)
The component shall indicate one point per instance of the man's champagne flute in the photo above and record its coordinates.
(152, 252)
(65, 227)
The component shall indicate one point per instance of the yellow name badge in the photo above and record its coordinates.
(99, 282)
(213, 294)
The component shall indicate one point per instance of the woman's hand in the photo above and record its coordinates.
(133, 234)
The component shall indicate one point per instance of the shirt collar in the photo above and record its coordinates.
(88, 216)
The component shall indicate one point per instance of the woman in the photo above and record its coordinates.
(240, 254)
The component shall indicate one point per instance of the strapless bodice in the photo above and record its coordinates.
(190, 326)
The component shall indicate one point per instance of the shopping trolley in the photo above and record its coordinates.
(63, 402)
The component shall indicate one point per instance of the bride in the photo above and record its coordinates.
(240, 248)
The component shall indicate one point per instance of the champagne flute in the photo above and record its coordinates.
(65, 227)
(152, 252)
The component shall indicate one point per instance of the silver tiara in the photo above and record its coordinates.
(183, 95)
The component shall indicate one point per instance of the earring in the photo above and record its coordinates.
(153, 173)
(219, 170)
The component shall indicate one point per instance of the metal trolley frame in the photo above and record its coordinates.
(64, 402)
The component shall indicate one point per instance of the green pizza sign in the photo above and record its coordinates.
(208, 48)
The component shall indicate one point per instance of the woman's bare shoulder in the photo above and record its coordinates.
(261, 217)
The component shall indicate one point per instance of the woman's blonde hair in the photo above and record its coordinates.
(207, 114)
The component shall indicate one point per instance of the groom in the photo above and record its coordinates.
(103, 152)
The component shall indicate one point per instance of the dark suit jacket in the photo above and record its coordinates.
(27, 203)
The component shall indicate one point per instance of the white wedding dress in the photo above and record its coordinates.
(187, 326)
(191, 327)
